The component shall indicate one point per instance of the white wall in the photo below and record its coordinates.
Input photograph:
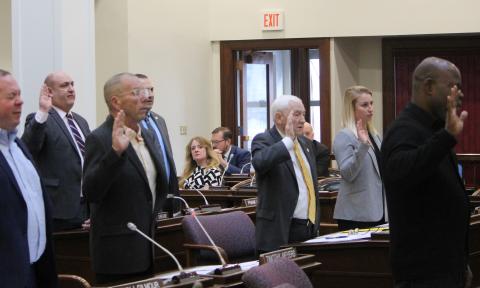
(329, 18)
(169, 42)
(5, 35)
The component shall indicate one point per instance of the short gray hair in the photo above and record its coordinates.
(281, 104)
(113, 86)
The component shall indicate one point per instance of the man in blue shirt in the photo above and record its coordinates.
(25, 246)
(233, 159)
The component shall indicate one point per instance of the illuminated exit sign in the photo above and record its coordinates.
(272, 20)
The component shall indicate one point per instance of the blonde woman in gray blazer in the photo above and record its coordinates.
(361, 199)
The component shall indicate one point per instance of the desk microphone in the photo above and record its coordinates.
(225, 268)
(226, 168)
(245, 165)
(207, 207)
(183, 276)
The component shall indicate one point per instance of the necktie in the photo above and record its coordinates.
(308, 181)
(76, 134)
(162, 151)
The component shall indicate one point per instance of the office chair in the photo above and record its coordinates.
(233, 233)
(281, 272)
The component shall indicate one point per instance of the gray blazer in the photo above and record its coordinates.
(57, 159)
(360, 197)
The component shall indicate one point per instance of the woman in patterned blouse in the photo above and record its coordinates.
(201, 165)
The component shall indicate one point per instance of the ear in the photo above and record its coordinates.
(278, 117)
(116, 103)
(428, 86)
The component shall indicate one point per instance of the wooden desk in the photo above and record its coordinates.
(73, 256)
(366, 263)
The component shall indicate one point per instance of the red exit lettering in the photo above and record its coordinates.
(270, 20)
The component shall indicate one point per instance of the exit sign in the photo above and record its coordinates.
(272, 20)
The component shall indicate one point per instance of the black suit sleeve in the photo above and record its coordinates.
(267, 155)
(101, 168)
(34, 134)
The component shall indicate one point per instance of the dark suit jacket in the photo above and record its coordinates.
(118, 192)
(56, 156)
(14, 253)
(173, 181)
(238, 158)
(322, 157)
(277, 188)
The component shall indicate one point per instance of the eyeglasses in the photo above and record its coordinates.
(143, 91)
(215, 142)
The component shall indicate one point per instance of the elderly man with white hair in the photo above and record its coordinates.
(288, 208)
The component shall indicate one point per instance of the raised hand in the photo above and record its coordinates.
(120, 141)
(362, 132)
(289, 127)
(454, 122)
(45, 99)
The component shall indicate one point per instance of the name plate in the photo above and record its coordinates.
(249, 202)
(149, 283)
(289, 253)
(161, 216)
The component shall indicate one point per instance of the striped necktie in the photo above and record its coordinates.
(76, 134)
(307, 177)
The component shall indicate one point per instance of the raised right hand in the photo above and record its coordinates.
(120, 141)
(362, 132)
(45, 99)
(289, 127)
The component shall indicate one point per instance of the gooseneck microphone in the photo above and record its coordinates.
(133, 227)
(183, 276)
(245, 165)
(225, 170)
(198, 191)
(192, 212)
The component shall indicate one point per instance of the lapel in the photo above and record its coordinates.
(63, 127)
(84, 128)
(4, 165)
(372, 154)
(277, 138)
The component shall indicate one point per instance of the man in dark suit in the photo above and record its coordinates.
(27, 258)
(156, 125)
(124, 181)
(235, 159)
(56, 138)
(288, 207)
(322, 154)
(427, 203)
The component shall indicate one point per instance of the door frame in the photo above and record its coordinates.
(300, 72)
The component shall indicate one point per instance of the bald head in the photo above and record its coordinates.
(62, 89)
(308, 131)
(432, 81)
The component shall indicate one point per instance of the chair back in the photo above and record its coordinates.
(234, 232)
(281, 271)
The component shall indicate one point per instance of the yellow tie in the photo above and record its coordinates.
(307, 177)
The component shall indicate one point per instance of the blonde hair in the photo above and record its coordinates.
(348, 120)
(190, 164)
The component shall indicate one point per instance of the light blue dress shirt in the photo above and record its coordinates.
(29, 183)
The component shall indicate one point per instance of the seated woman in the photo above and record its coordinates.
(361, 198)
(201, 165)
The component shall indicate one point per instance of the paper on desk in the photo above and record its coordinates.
(340, 237)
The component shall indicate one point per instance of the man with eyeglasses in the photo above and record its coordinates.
(232, 158)
(123, 182)
(56, 138)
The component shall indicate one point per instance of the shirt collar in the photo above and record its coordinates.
(60, 112)
(7, 137)
(132, 135)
